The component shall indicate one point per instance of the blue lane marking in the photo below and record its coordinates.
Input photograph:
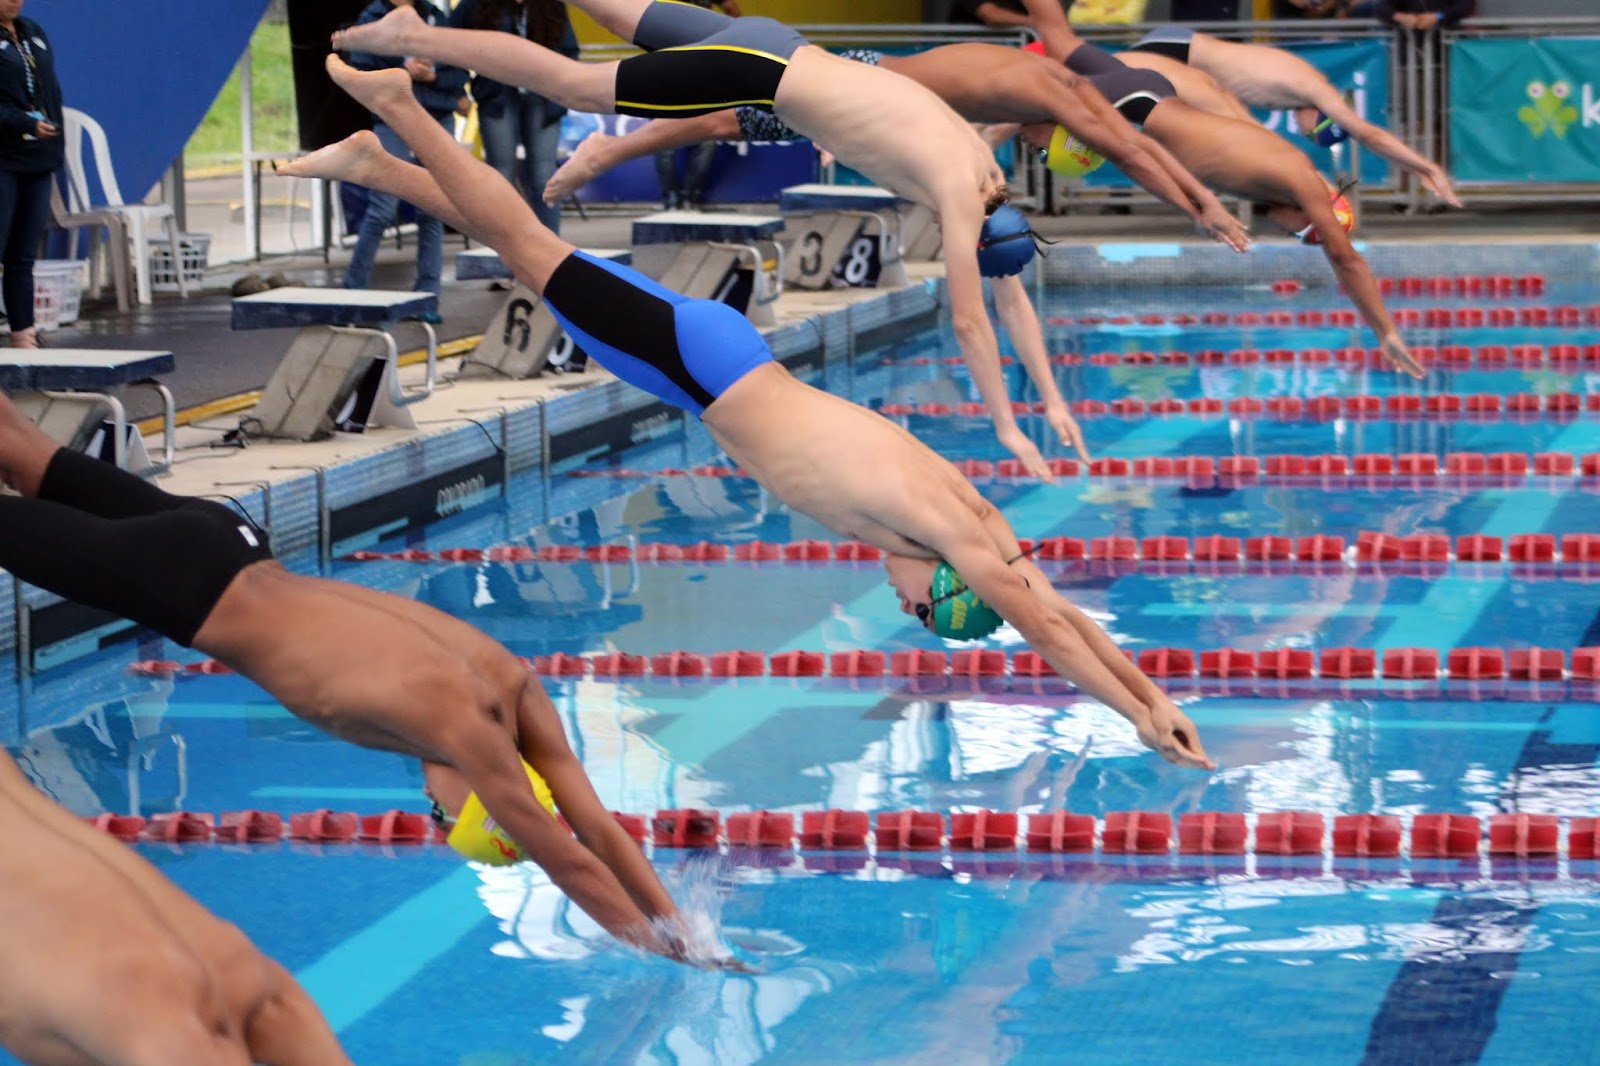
(1438, 620)
(370, 966)
(1444, 1003)
(327, 792)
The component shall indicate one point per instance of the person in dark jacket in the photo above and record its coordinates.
(509, 116)
(30, 153)
(437, 88)
(1424, 15)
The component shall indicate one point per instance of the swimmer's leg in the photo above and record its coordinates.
(599, 152)
(25, 449)
(361, 159)
(502, 56)
(486, 204)
(622, 17)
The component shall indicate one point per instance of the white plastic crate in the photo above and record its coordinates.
(47, 294)
(69, 273)
(194, 252)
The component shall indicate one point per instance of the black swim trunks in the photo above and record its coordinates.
(701, 61)
(103, 537)
(1170, 41)
(1132, 91)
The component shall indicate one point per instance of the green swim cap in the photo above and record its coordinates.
(957, 611)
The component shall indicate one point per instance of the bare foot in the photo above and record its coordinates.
(379, 90)
(388, 36)
(580, 169)
(351, 159)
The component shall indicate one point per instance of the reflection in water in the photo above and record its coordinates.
(122, 755)
(711, 1017)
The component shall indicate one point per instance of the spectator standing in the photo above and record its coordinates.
(1422, 16)
(1419, 49)
(509, 117)
(1309, 9)
(31, 151)
(690, 192)
(438, 89)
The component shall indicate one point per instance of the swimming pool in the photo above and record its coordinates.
(982, 957)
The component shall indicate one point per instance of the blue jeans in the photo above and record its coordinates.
(24, 209)
(382, 208)
(522, 122)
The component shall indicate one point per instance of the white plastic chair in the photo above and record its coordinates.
(140, 218)
(108, 246)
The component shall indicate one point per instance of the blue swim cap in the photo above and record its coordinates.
(1005, 244)
(1327, 132)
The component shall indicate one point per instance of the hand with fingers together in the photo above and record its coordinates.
(1018, 444)
(1170, 732)
(1067, 429)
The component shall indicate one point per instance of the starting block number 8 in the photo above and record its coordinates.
(857, 264)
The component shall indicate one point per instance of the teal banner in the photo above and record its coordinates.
(1525, 110)
(1359, 69)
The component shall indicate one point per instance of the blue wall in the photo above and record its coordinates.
(146, 71)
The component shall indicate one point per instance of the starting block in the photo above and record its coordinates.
(69, 391)
(720, 256)
(523, 338)
(845, 236)
(340, 372)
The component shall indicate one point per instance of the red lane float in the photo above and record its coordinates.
(1341, 664)
(1519, 835)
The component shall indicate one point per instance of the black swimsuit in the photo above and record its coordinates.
(1132, 91)
(700, 61)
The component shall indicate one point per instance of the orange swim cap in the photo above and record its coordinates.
(1341, 211)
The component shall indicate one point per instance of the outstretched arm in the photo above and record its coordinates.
(974, 332)
(1355, 277)
(544, 745)
(1021, 322)
(1332, 103)
(1093, 120)
(483, 755)
(1077, 649)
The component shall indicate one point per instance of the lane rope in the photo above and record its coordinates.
(1296, 669)
(1277, 833)
(1529, 556)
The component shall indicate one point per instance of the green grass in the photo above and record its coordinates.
(219, 140)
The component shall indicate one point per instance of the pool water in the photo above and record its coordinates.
(417, 958)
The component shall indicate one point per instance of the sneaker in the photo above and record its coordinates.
(279, 280)
(432, 318)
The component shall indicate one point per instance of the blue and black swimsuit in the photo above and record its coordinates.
(683, 351)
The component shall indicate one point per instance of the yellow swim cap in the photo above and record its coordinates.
(1070, 157)
(479, 837)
